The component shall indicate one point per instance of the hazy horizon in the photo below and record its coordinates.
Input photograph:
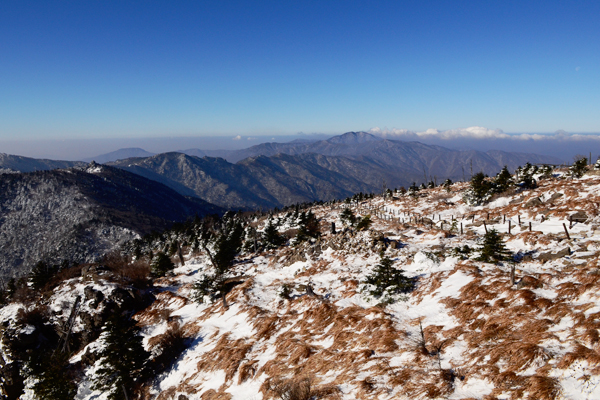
(559, 144)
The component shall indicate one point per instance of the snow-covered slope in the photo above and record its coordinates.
(465, 332)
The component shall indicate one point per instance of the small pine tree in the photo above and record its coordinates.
(525, 175)
(51, 374)
(207, 285)
(271, 236)
(546, 171)
(123, 359)
(161, 264)
(503, 181)
(309, 227)
(579, 167)
(227, 246)
(41, 274)
(480, 185)
(388, 280)
(173, 248)
(413, 190)
(347, 216)
(364, 223)
(493, 249)
(480, 190)
(447, 184)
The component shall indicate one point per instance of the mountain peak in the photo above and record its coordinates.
(120, 154)
(354, 138)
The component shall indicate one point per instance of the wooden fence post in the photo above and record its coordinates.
(566, 231)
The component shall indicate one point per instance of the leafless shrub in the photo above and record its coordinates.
(136, 273)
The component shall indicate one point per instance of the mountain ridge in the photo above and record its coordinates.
(81, 213)
(278, 175)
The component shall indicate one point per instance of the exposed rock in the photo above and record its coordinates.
(95, 296)
(529, 281)
(555, 196)
(533, 202)
(554, 256)
(578, 216)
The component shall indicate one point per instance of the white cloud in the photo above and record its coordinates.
(251, 138)
(577, 69)
(474, 132)
(238, 137)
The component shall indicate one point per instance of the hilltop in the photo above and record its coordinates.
(80, 213)
(300, 314)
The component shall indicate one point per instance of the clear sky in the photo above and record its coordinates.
(98, 69)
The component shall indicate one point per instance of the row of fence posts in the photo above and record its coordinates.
(417, 218)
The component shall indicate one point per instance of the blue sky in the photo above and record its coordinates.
(103, 69)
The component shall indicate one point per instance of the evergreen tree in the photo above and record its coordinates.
(364, 223)
(413, 190)
(546, 171)
(51, 374)
(503, 180)
(123, 359)
(271, 235)
(309, 227)
(388, 280)
(480, 185)
(579, 167)
(228, 245)
(347, 216)
(480, 190)
(41, 274)
(448, 184)
(493, 249)
(11, 287)
(525, 174)
(161, 264)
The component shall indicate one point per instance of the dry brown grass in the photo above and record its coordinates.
(227, 356)
(160, 310)
(299, 387)
(580, 353)
(212, 394)
(247, 371)
(542, 388)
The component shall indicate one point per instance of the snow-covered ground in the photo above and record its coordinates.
(464, 333)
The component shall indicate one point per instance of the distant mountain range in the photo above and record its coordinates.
(55, 210)
(278, 174)
(13, 163)
(80, 213)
